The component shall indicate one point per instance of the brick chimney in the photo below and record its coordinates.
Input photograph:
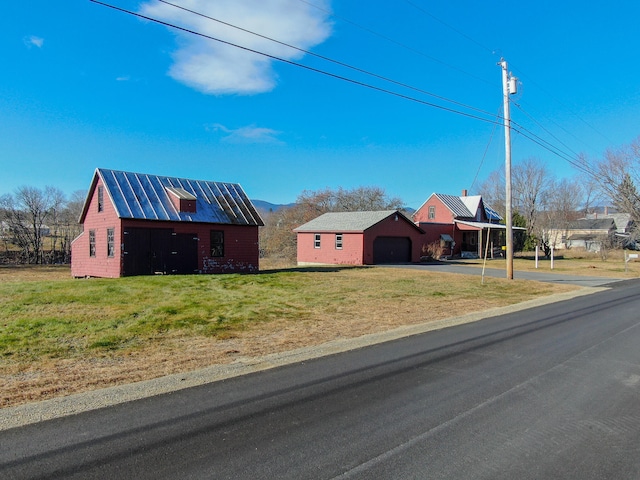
(464, 192)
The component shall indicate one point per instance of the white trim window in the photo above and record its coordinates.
(338, 241)
(111, 242)
(316, 241)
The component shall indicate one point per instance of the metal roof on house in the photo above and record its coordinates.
(487, 225)
(465, 206)
(492, 215)
(456, 205)
(146, 197)
(348, 221)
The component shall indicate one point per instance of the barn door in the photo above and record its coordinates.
(184, 253)
(146, 251)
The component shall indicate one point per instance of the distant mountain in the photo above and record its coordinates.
(265, 208)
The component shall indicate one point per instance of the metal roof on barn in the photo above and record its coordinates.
(349, 221)
(146, 197)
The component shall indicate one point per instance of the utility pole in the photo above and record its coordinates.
(507, 82)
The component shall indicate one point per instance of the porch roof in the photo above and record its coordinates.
(465, 225)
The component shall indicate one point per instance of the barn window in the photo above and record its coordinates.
(316, 241)
(111, 242)
(338, 241)
(217, 243)
(92, 243)
(100, 199)
(432, 212)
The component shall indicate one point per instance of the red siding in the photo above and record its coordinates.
(434, 230)
(442, 213)
(240, 243)
(82, 265)
(350, 254)
(390, 227)
(357, 246)
(443, 223)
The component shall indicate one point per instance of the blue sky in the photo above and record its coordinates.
(85, 86)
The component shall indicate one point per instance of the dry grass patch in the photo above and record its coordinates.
(61, 335)
(570, 262)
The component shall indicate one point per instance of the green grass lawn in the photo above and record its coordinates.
(66, 318)
(60, 335)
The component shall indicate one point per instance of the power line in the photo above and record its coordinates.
(474, 41)
(519, 107)
(522, 130)
(484, 155)
(306, 67)
(328, 59)
(556, 100)
(547, 146)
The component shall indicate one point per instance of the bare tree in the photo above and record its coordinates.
(26, 213)
(617, 175)
(493, 191)
(530, 180)
(591, 193)
(561, 202)
(69, 226)
(57, 203)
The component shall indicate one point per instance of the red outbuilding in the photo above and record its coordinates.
(359, 238)
(141, 224)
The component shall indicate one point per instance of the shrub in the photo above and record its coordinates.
(431, 251)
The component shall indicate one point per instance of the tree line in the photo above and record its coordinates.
(542, 202)
(37, 226)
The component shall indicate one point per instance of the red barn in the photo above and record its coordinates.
(459, 224)
(359, 238)
(140, 224)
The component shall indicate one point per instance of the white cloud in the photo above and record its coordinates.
(123, 78)
(248, 134)
(216, 68)
(33, 41)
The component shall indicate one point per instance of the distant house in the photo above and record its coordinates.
(460, 224)
(359, 238)
(8, 229)
(586, 233)
(141, 224)
(623, 221)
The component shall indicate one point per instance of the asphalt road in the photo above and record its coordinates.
(550, 392)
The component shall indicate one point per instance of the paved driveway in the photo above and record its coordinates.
(541, 276)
